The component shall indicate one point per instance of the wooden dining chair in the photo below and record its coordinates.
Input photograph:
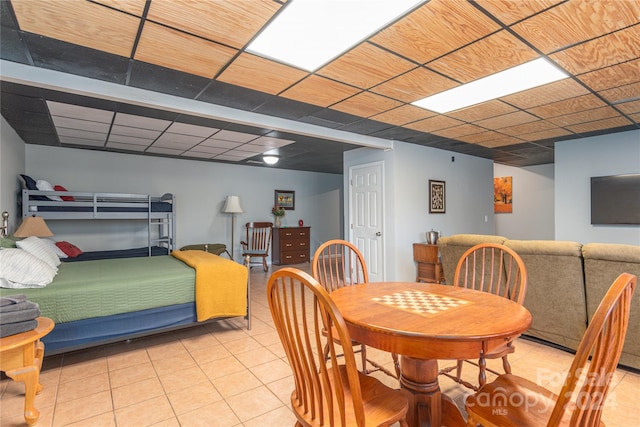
(515, 401)
(338, 263)
(257, 241)
(326, 393)
(499, 270)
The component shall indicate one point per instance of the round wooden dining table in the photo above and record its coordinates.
(424, 322)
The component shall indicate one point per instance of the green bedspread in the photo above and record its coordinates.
(88, 289)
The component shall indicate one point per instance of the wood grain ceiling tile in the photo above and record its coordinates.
(458, 131)
(366, 104)
(434, 123)
(622, 93)
(610, 77)
(135, 7)
(511, 119)
(402, 115)
(261, 74)
(365, 66)
(229, 22)
(572, 105)
(490, 139)
(526, 128)
(482, 111)
(180, 51)
(600, 124)
(602, 52)
(510, 11)
(414, 85)
(434, 29)
(320, 91)
(545, 134)
(629, 107)
(85, 24)
(576, 21)
(497, 52)
(585, 116)
(635, 118)
(546, 94)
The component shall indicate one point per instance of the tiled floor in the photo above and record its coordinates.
(220, 374)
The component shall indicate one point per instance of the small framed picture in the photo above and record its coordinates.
(437, 196)
(286, 199)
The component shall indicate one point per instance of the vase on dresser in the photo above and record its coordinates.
(278, 222)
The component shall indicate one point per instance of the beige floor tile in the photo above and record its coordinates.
(83, 369)
(82, 409)
(205, 355)
(279, 417)
(173, 362)
(282, 388)
(255, 357)
(72, 390)
(222, 367)
(132, 374)
(136, 392)
(187, 400)
(180, 379)
(127, 358)
(234, 384)
(253, 403)
(271, 371)
(145, 413)
(217, 414)
(242, 345)
(103, 420)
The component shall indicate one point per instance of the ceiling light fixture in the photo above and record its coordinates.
(310, 33)
(270, 160)
(526, 76)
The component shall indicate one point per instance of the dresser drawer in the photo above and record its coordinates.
(296, 257)
(293, 233)
(290, 245)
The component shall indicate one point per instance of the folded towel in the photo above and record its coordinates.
(21, 306)
(20, 316)
(12, 299)
(17, 328)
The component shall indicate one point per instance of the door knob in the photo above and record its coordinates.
(378, 234)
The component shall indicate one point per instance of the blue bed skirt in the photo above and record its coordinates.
(102, 330)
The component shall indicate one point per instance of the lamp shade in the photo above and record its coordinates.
(33, 226)
(232, 205)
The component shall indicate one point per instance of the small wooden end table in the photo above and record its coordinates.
(21, 359)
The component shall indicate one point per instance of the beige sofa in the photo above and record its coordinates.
(567, 281)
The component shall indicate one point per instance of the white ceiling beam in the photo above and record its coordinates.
(55, 80)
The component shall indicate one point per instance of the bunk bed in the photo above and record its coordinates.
(158, 211)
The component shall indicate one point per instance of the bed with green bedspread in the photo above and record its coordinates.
(98, 288)
(101, 301)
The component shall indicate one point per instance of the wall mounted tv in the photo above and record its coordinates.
(615, 199)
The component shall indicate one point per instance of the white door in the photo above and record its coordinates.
(366, 200)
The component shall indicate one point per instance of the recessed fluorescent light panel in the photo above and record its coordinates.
(309, 33)
(526, 76)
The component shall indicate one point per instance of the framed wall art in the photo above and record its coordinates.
(503, 194)
(437, 196)
(286, 199)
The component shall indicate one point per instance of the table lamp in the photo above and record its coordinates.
(232, 206)
(33, 226)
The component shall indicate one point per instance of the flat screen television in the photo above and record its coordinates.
(615, 199)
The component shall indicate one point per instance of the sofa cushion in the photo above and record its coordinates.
(452, 247)
(603, 263)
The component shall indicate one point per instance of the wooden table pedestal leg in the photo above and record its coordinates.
(427, 405)
(30, 376)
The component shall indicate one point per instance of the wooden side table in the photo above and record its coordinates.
(429, 268)
(21, 359)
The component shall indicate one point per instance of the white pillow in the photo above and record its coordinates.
(52, 244)
(20, 269)
(43, 185)
(37, 247)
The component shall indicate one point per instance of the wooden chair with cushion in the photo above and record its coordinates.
(499, 270)
(515, 401)
(257, 241)
(338, 263)
(325, 393)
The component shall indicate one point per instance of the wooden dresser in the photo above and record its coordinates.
(429, 268)
(290, 245)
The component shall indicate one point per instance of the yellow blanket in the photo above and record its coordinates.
(221, 284)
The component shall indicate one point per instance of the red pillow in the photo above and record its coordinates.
(65, 198)
(70, 249)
